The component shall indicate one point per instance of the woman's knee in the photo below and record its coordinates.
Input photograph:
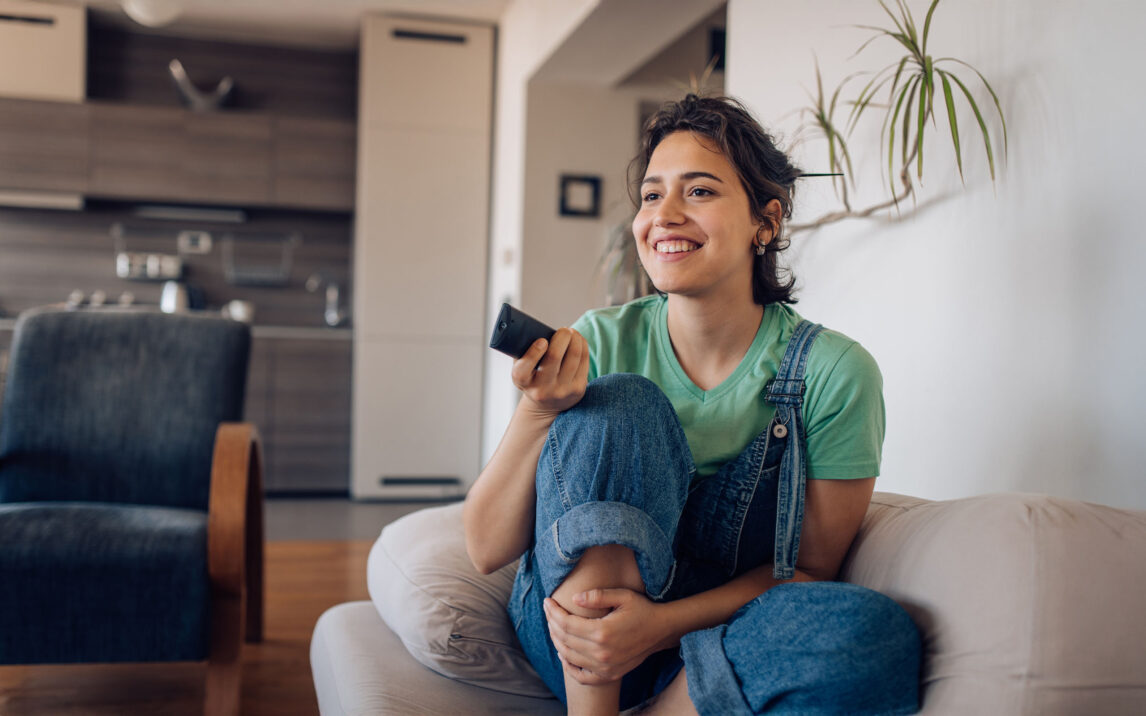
(623, 434)
(620, 398)
(803, 646)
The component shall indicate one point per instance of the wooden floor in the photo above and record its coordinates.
(303, 579)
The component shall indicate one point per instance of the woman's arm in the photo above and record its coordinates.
(499, 509)
(609, 647)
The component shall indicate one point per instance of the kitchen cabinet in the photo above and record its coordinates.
(149, 153)
(298, 394)
(136, 152)
(172, 154)
(43, 146)
(227, 157)
(314, 162)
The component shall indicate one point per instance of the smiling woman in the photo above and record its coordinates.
(679, 465)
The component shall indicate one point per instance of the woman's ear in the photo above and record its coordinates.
(770, 224)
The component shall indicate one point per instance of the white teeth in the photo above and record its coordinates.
(675, 246)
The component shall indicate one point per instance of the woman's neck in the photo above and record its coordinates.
(710, 338)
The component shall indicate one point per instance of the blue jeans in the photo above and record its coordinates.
(616, 469)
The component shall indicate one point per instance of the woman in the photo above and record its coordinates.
(677, 464)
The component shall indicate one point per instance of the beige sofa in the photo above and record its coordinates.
(1028, 605)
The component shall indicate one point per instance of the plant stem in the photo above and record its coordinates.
(849, 213)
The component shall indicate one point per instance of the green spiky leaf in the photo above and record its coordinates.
(982, 124)
(923, 103)
(950, 100)
(995, 97)
(927, 24)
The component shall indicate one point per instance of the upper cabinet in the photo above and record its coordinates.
(285, 139)
(43, 146)
(144, 153)
(43, 50)
(314, 162)
(229, 155)
(136, 152)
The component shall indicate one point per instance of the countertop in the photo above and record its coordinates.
(260, 331)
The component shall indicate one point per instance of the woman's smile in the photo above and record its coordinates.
(671, 249)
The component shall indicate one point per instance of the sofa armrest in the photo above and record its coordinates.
(234, 559)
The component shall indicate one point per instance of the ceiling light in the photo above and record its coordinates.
(152, 13)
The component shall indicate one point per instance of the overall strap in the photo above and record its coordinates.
(786, 392)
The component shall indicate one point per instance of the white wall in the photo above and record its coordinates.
(1008, 319)
(577, 130)
(529, 31)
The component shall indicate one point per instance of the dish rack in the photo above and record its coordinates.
(251, 259)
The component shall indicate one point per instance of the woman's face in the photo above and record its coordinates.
(694, 229)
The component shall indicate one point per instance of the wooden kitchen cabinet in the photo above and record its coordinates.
(298, 393)
(314, 163)
(227, 157)
(164, 153)
(43, 146)
(144, 153)
(136, 153)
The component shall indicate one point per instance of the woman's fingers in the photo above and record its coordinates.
(552, 373)
(582, 675)
(579, 651)
(525, 367)
(571, 362)
(558, 346)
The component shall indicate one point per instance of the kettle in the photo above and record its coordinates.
(174, 298)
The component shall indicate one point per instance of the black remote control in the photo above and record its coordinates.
(515, 331)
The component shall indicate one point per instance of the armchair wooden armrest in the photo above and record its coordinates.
(234, 560)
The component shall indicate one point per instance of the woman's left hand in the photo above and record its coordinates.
(601, 650)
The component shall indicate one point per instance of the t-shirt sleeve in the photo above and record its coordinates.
(587, 327)
(844, 418)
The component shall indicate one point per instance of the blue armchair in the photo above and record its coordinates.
(130, 497)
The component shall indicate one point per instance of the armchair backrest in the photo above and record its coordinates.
(118, 406)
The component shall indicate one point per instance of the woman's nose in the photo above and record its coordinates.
(668, 212)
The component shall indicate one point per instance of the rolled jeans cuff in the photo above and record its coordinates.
(712, 684)
(593, 524)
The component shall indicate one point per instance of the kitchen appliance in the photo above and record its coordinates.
(174, 298)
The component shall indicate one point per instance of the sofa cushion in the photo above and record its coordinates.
(360, 668)
(134, 577)
(1028, 604)
(451, 618)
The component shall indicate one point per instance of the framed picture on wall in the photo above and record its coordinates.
(580, 195)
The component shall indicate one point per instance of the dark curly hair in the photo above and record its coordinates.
(765, 171)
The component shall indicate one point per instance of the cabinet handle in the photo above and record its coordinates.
(429, 36)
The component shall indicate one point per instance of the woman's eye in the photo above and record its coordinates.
(700, 191)
(650, 196)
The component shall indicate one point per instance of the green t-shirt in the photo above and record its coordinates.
(843, 403)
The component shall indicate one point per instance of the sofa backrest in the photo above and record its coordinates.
(118, 406)
(1028, 604)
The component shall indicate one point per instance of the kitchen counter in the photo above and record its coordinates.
(303, 332)
(258, 331)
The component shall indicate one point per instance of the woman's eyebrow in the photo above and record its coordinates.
(686, 177)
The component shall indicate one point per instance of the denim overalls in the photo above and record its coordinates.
(616, 469)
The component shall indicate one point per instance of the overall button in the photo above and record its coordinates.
(780, 431)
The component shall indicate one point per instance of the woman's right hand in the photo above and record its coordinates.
(553, 374)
